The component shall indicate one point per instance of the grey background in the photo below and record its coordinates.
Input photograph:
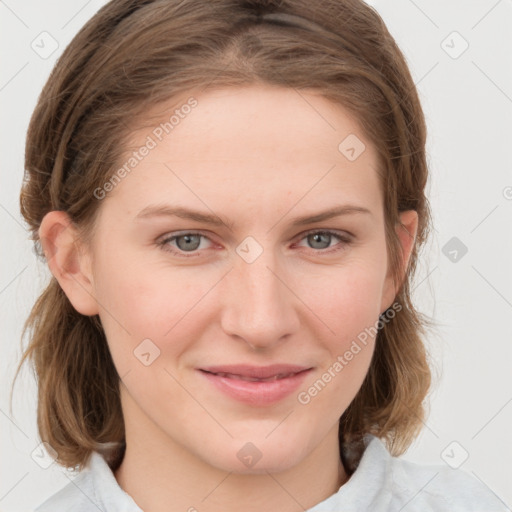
(467, 99)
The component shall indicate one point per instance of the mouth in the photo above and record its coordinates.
(253, 379)
(246, 371)
(256, 385)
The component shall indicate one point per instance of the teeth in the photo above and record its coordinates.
(253, 379)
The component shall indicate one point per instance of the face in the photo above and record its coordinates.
(248, 284)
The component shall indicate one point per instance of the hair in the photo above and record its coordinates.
(134, 54)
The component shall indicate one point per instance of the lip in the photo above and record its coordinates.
(285, 379)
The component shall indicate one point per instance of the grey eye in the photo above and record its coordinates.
(190, 242)
(321, 238)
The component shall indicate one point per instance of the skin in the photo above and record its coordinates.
(296, 303)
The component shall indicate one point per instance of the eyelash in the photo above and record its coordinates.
(344, 240)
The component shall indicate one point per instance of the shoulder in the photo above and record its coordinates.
(440, 488)
(95, 488)
(383, 483)
(77, 495)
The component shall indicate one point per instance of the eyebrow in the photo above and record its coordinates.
(215, 220)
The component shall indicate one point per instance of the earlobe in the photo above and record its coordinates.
(69, 265)
(406, 229)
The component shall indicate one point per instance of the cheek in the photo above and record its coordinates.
(169, 306)
(347, 299)
(140, 292)
(349, 304)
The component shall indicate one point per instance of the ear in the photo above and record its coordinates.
(68, 261)
(406, 229)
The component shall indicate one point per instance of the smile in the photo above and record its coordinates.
(264, 390)
(253, 379)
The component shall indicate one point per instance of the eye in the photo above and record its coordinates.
(185, 242)
(321, 240)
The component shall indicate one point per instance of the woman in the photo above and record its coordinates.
(231, 199)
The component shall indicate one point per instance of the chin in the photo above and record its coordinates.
(259, 455)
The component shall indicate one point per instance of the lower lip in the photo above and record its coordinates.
(257, 393)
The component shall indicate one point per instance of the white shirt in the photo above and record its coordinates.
(380, 483)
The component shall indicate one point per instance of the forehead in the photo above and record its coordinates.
(255, 115)
(257, 144)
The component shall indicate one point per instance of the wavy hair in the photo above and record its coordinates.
(134, 54)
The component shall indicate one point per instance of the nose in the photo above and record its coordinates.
(259, 305)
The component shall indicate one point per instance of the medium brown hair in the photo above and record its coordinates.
(134, 54)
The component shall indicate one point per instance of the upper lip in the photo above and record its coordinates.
(258, 372)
